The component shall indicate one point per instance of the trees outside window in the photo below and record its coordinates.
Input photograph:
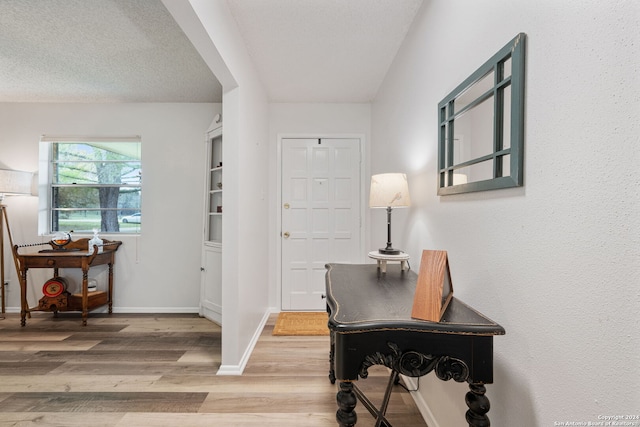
(94, 184)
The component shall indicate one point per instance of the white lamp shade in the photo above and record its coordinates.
(15, 182)
(389, 190)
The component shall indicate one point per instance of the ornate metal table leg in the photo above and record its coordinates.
(346, 398)
(380, 419)
(478, 405)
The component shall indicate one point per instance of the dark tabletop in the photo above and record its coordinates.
(360, 298)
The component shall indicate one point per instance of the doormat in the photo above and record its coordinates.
(308, 323)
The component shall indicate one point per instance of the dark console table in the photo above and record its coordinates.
(370, 323)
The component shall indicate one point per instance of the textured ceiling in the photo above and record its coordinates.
(133, 51)
(98, 51)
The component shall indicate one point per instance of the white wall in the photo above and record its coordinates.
(150, 274)
(245, 301)
(555, 262)
(290, 119)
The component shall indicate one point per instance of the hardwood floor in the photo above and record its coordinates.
(160, 370)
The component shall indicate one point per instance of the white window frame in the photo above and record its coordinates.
(45, 178)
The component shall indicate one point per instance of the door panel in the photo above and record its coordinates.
(320, 215)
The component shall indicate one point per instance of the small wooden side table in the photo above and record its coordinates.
(75, 254)
(382, 259)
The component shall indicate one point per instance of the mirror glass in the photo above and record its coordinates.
(473, 133)
(474, 92)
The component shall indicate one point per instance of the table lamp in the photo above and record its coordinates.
(389, 190)
(11, 183)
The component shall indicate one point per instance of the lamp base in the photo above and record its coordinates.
(389, 251)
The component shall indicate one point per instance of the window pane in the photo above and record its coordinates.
(85, 221)
(130, 221)
(75, 197)
(96, 163)
(90, 197)
(121, 151)
(96, 173)
(78, 221)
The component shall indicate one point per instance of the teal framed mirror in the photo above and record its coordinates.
(481, 126)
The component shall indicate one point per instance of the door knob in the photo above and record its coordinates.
(286, 234)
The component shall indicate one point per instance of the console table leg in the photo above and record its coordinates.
(23, 297)
(85, 295)
(346, 398)
(332, 349)
(478, 405)
(110, 295)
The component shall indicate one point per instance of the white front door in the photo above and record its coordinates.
(320, 215)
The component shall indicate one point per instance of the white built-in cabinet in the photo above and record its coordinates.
(211, 285)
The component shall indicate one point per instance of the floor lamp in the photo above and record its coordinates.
(11, 183)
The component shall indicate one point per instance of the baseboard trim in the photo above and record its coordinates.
(130, 310)
(422, 405)
(151, 310)
(230, 370)
(239, 369)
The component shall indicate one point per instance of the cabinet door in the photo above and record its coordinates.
(211, 292)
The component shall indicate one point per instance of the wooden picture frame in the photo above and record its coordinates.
(434, 288)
